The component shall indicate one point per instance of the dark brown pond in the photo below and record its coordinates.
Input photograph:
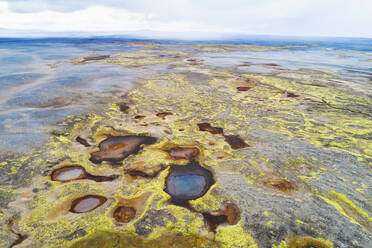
(117, 148)
(208, 128)
(230, 215)
(124, 214)
(183, 153)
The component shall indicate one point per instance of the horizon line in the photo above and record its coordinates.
(167, 36)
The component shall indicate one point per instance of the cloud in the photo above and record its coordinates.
(32, 6)
(90, 19)
(277, 17)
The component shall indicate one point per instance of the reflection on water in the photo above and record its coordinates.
(34, 94)
(330, 61)
(87, 203)
(187, 186)
(39, 87)
(69, 174)
(187, 182)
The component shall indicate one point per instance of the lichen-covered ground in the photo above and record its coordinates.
(290, 153)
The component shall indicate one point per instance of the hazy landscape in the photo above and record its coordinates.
(114, 142)
(185, 124)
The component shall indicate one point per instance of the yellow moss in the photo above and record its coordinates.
(300, 222)
(270, 223)
(338, 208)
(14, 169)
(208, 202)
(347, 208)
(304, 242)
(351, 205)
(341, 124)
(187, 222)
(192, 104)
(249, 179)
(310, 177)
(234, 237)
(109, 239)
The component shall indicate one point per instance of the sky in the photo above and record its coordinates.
(330, 18)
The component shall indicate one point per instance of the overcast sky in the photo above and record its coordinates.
(348, 18)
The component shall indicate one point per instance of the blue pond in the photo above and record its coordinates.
(186, 186)
(188, 182)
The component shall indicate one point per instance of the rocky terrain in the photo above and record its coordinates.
(200, 156)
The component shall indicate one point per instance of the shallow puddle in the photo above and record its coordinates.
(207, 127)
(188, 182)
(117, 148)
(140, 173)
(235, 141)
(230, 215)
(75, 172)
(124, 214)
(280, 185)
(162, 115)
(69, 173)
(82, 141)
(128, 208)
(124, 108)
(95, 58)
(137, 117)
(183, 153)
(243, 88)
(87, 203)
(291, 94)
